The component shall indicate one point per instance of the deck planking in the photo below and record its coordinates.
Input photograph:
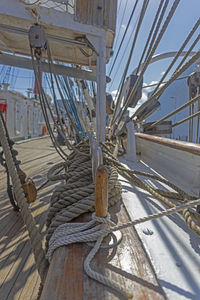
(19, 278)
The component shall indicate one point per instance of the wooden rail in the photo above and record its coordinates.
(66, 279)
(179, 145)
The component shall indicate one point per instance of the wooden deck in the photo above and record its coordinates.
(18, 276)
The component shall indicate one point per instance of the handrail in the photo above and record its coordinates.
(179, 145)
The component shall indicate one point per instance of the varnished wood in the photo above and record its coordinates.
(101, 192)
(127, 264)
(179, 145)
(19, 278)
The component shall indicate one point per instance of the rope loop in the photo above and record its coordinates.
(105, 220)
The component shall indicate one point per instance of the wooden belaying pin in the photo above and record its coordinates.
(101, 192)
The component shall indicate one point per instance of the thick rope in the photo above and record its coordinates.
(35, 237)
(76, 196)
(68, 202)
(191, 222)
(70, 233)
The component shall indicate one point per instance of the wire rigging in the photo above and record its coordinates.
(160, 35)
(150, 34)
(179, 52)
(142, 14)
(127, 27)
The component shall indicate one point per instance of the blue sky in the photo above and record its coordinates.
(182, 22)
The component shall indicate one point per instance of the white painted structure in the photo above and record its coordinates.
(177, 161)
(23, 115)
(79, 32)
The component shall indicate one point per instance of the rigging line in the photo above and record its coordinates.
(142, 14)
(67, 106)
(120, 62)
(160, 35)
(62, 129)
(188, 52)
(176, 110)
(71, 147)
(42, 101)
(62, 98)
(148, 57)
(186, 119)
(51, 66)
(150, 34)
(132, 13)
(179, 52)
(54, 96)
(173, 77)
(66, 92)
(71, 104)
(155, 84)
(116, 40)
(152, 43)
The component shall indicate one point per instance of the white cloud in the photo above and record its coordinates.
(145, 92)
(162, 73)
(114, 93)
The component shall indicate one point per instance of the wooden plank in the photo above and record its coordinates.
(17, 266)
(27, 263)
(26, 63)
(129, 267)
(97, 12)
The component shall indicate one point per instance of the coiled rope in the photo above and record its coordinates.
(76, 196)
(68, 202)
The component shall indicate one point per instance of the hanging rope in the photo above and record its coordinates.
(35, 237)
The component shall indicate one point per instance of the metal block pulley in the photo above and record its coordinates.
(37, 39)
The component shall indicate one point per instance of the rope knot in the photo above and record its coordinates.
(105, 220)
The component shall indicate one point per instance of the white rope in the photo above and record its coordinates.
(70, 233)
